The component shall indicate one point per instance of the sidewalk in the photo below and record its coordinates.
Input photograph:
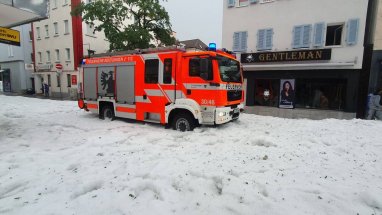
(37, 95)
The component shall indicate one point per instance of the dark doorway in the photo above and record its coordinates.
(6, 80)
(33, 86)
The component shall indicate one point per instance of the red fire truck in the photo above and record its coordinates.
(165, 85)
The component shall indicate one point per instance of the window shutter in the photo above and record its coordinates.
(261, 39)
(306, 36)
(352, 31)
(231, 3)
(236, 41)
(269, 39)
(319, 34)
(243, 41)
(297, 32)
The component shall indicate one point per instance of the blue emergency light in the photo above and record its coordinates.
(212, 47)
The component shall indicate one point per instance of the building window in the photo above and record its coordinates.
(10, 51)
(334, 35)
(243, 3)
(301, 36)
(267, 92)
(48, 56)
(57, 55)
(67, 50)
(151, 71)
(167, 71)
(58, 80)
(46, 31)
(240, 41)
(265, 39)
(66, 26)
(194, 67)
(38, 33)
(49, 81)
(55, 25)
(39, 57)
(69, 80)
(321, 93)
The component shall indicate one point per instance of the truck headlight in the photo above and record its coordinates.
(222, 114)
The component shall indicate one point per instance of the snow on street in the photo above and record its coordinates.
(57, 159)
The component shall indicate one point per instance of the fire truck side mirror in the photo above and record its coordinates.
(205, 71)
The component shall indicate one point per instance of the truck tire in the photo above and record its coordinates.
(107, 113)
(183, 122)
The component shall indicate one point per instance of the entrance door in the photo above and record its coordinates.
(7, 81)
(33, 85)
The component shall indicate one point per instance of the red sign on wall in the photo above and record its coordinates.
(74, 79)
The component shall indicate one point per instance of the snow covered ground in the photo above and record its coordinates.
(57, 159)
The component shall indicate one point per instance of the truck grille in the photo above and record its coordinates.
(233, 95)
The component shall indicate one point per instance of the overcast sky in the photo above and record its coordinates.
(196, 19)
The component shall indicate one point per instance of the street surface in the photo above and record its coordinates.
(57, 159)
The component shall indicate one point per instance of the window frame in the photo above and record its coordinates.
(46, 31)
(69, 80)
(149, 79)
(66, 27)
(48, 57)
(164, 80)
(55, 28)
(67, 54)
(57, 51)
(342, 24)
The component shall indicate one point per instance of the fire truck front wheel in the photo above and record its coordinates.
(107, 113)
(183, 122)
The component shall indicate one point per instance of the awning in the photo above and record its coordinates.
(17, 12)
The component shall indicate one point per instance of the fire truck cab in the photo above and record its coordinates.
(167, 86)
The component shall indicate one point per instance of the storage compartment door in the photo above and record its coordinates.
(126, 84)
(90, 87)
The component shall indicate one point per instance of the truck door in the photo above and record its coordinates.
(158, 86)
(203, 90)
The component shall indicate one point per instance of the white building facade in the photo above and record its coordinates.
(63, 40)
(315, 47)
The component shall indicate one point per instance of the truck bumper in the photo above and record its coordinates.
(227, 114)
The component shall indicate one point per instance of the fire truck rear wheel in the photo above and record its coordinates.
(108, 113)
(183, 122)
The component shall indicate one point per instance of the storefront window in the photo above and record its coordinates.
(267, 92)
(320, 93)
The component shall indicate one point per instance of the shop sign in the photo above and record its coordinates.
(44, 67)
(298, 55)
(9, 36)
(287, 93)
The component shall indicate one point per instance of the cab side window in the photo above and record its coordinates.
(167, 71)
(151, 71)
(194, 67)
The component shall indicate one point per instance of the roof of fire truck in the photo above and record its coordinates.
(223, 52)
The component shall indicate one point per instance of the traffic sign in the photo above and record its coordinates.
(59, 66)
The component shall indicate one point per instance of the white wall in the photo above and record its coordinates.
(60, 41)
(283, 15)
(378, 30)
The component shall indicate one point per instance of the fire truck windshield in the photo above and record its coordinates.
(229, 69)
